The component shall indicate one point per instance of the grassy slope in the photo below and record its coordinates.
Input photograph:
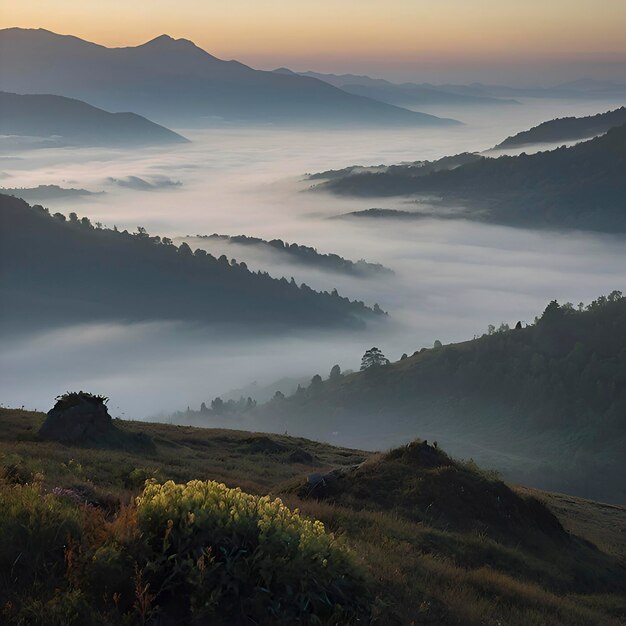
(420, 573)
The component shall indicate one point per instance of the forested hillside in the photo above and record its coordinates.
(583, 186)
(550, 398)
(64, 270)
(303, 255)
(567, 129)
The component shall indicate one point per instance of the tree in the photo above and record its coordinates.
(184, 249)
(335, 373)
(316, 383)
(437, 344)
(217, 405)
(373, 358)
(553, 312)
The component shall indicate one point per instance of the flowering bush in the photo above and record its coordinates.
(224, 552)
(194, 553)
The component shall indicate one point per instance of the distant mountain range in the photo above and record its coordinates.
(403, 94)
(583, 186)
(584, 88)
(177, 83)
(65, 121)
(567, 129)
(412, 94)
(59, 271)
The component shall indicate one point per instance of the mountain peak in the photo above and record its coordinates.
(166, 41)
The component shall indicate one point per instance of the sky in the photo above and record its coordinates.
(511, 41)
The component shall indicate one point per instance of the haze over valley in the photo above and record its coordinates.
(451, 278)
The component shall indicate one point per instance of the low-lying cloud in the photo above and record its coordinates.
(451, 278)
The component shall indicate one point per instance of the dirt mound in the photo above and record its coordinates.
(300, 455)
(78, 418)
(264, 445)
(422, 483)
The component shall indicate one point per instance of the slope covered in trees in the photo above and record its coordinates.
(583, 186)
(305, 255)
(567, 129)
(545, 403)
(58, 270)
(69, 122)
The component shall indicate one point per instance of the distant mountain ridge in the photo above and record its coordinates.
(400, 94)
(583, 186)
(304, 255)
(70, 122)
(175, 82)
(567, 129)
(58, 271)
(47, 192)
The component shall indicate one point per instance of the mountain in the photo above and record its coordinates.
(177, 83)
(567, 129)
(41, 193)
(395, 214)
(60, 271)
(584, 88)
(544, 404)
(299, 254)
(409, 535)
(403, 94)
(413, 169)
(68, 122)
(583, 186)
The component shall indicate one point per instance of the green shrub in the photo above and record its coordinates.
(35, 529)
(216, 551)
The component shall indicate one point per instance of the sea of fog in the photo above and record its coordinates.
(452, 278)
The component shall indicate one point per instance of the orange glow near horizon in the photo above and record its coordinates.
(330, 32)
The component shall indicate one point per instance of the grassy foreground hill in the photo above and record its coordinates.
(61, 271)
(478, 552)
